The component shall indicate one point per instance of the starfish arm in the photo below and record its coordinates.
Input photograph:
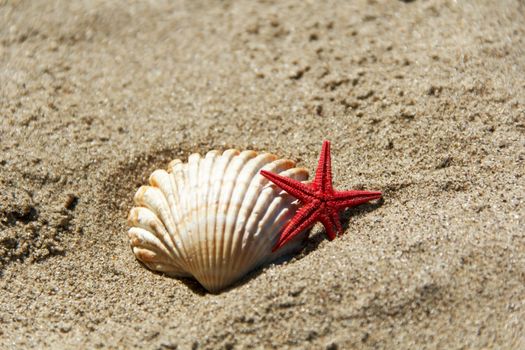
(323, 174)
(303, 219)
(334, 215)
(293, 187)
(346, 199)
(328, 225)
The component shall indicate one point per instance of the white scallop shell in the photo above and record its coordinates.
(214, 218)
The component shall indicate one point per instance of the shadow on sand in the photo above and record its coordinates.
(311, 243)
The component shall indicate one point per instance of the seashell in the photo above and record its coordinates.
(214, 218)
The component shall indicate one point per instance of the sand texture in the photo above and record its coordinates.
(424, 100)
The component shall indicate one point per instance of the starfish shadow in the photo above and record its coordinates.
(315, 239)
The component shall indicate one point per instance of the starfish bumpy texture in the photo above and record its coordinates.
(320, 201)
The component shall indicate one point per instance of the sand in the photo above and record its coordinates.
(424, 100)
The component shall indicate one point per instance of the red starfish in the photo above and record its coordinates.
(320, 201)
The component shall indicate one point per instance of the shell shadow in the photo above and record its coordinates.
(198, 289)
(193, 285)
(311, 243)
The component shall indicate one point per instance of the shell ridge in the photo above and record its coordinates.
(177, 178)
(212, 210)
(246, 184)
(263, 201)
(175, 212)
(222, 165)
(152, 198)
(284, 216)
(143, 238)
(146, 219)
(262, 182)
(272, 214)
(247, 207)
(228, 183)
(203, 189)
(151, 250)
(162, 180)
(213, 157)
(279, 212)
(202, 211)
(183, 186)
(196, 180)
(238, 186)
(192, 181)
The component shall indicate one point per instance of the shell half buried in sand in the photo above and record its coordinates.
(214, 218)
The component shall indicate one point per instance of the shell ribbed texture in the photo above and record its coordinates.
(214, 218)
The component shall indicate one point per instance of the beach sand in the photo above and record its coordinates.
(423, 100)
